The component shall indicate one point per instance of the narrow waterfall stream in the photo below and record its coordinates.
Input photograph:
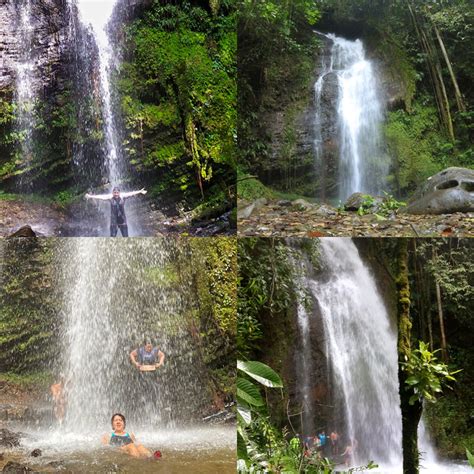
(360, 345)
(25, 92)
(362, 165)
(96, 18)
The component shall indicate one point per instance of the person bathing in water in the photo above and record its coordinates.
(118, 220)
(58, 394)
(123, 440)
(147, 355)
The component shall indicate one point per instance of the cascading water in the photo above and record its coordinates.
(305, 371)
(361, 347)
(96, 16)
(362, 164)
(25, 91)
(113, 301)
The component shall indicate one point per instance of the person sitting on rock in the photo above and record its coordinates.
(127, 442)
(118, 220)
(147, 355)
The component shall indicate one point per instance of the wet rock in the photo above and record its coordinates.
(284, 203)
(357, 200)
(36, 453)
(450, 191)
(16, 468)
(49, 23)
(2, 457)
(302, 204)
(247, 211)
(25, 231)
(9, 438)
(325, 210)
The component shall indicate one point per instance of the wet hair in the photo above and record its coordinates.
(116, 189)
(147, 341)
(121, 416)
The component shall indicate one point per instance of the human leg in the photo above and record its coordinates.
(113, 230)
(131, 449)
(124, 230)
(144, 452)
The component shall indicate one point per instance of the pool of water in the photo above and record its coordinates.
(196, 450)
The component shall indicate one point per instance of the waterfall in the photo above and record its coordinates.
(25, 91)
(362, 164)
(97, 16)
(116, 293)
(362, 350)
(305, 367)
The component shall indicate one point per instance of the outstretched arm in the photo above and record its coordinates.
(133, 358)
(161, 356)
(133, 193)
(100, 197)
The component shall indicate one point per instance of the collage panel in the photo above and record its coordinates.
(355, 119)
(117, 117)
(121, 342)
(355, 355)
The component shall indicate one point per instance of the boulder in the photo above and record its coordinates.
(247, 211)
(9, 438)
(16, 468)
(36, 453)
(25, 231)
(450, 191)
(357, 200)
(302, 204)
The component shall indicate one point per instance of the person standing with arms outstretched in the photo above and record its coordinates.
(118, 219)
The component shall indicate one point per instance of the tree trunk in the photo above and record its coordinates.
(411, 414)
(444, 352)
(457, 91)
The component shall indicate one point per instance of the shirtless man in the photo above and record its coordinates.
(59, 399)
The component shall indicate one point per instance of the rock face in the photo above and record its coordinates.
(50, 25)
(447, 192)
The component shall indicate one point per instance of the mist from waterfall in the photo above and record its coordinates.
(362, 165)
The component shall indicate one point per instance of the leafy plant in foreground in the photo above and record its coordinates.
(427, 375)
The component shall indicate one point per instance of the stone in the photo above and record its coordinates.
(450, 191)
(356, 200)
(36, 453)
(284, 203)
(9, 438)
(302, 204)
(16, 468)
(247, 211)
(25, 231)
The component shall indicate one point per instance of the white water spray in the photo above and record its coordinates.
(363, 166)
(362, 351)
(116, 294)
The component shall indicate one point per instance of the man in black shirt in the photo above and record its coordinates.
(118, 219)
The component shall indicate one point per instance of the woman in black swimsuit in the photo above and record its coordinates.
(123, 440)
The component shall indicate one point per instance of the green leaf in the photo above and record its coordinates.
(470, 458)
(241, 448)
(244, 414)
(249, 393)
(261, 373)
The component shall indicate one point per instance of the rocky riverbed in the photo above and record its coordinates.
(270, 218)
